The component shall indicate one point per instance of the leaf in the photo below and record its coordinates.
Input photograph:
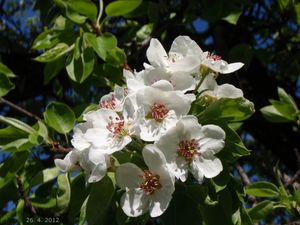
(17, 124)
(20, 212)
(54, 53)
(220, 182)
(233, 17)
(10, 134)
(272, 115)
(63, 192)
(297, 12)
(11, 166)
(79, 192)
(286, 110)
(229, 109)
(116, 57)
(285, 97)
(283, 4)
(122, 7)
(6, 71)
(75, 16)
(101, 44)
(43, 131)
(84, 7)
(101, 192)
(53, 68)
(260, 211)
(262, 189)
(5, 85)
(17, 145)
(60, 117)
(46, 40)
(144, 32)
(44, 176)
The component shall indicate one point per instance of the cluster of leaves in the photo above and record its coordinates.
(76, 43)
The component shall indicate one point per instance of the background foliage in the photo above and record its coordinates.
(59, 51)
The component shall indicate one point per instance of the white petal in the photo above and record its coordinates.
(186, 64)
(212, 140)
(98, 137)
(134, 202)
(232, 67)
(196, 171)
(153, 157)
(163, 85)
(183, 82)
(78, 140)
(98, 172)
(69, 162)
(210, 167)
(156, 54)
(134, 81)
(185, 46)
(209, 83)
(128, 175)
(229, 91)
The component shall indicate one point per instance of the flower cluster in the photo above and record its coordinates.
(153, 110)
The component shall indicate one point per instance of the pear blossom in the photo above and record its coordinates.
(180, 81)
(215, 63)
(184, 56)
(94, 163)
(114, 100)
(150, 189)
(159, 110)
(188, 146)
(211, 91)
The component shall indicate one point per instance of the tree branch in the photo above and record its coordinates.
(23, 195)
(18, 108)
(58, 149)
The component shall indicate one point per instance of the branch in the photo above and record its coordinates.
(58, 149)
(18, 108)
(24, 196)
(246, 181)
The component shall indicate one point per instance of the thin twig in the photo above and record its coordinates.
(23, 195)
(19, 108)
(58, 149)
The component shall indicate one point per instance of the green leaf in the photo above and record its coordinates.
(46, 40)
(5, 85)
(101, 192)
(84, 7)
(20, 211)
(285, 97)
(6, 71)
(233, 17)
(11, 166)
(272, 115)
(63, 192)
(54, 53)
(10, 134)
(287, 110)
(101, 44)
(262, 189)
(229, 109)
(297, 12)
(17, 145)
(260, 211)
(220, 182)
(60, 117)
(43, 131)
(79, 192)
(7, 216)
(283, 4)
(144, 32)
(53, 68)
(44, 176)
(17, 124)
(44, 203)
(122, 7)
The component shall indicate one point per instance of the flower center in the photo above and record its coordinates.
(109, 103)
(151, 182)
(117, 127)
(158, 112)
(213, 56)
(188, 148)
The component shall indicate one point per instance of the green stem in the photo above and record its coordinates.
(100, 13)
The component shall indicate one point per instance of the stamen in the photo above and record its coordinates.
(109, 103)
(117, 128)
(151, 182)
(158, 112)
(213, 56)
(188, 149)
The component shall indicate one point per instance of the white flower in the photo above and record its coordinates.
(110, 132)
(93, 162)
(216, 64)
(159, 110)
(211, 91)
(190, 146)
(150, 189)
(114, 100)
(180, 81)
(184, 56)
